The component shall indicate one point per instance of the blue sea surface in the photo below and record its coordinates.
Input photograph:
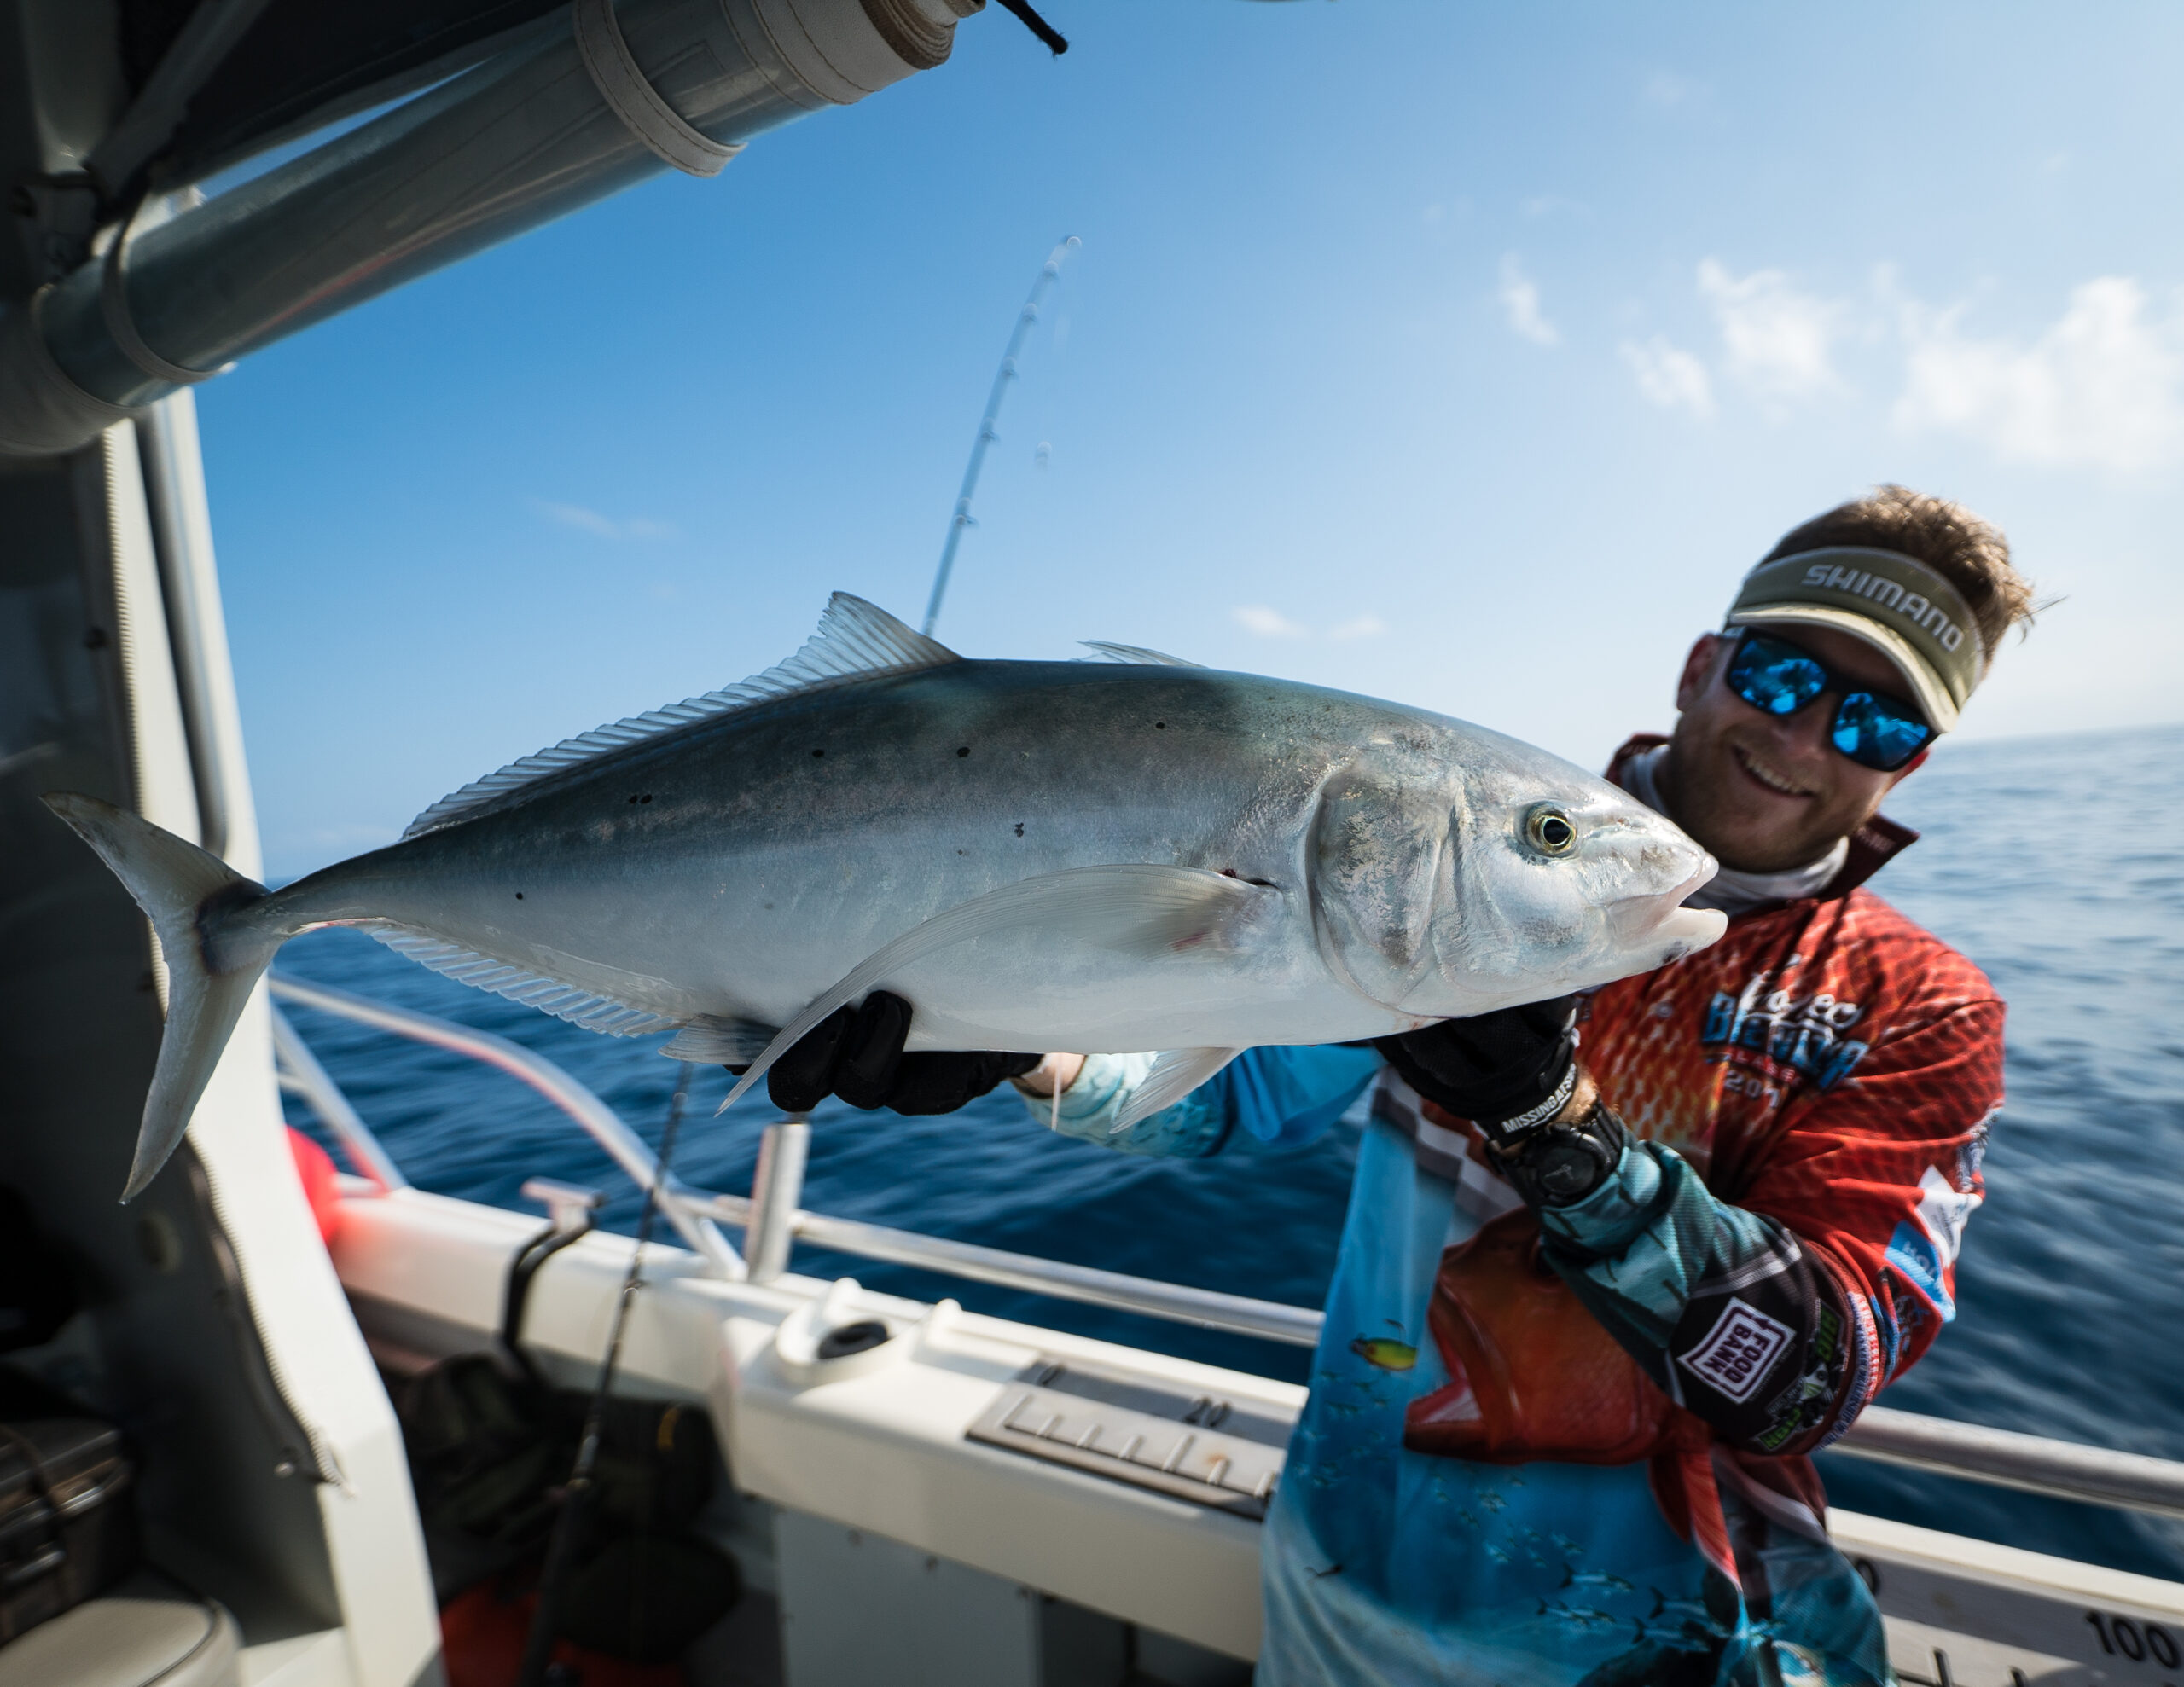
(2056, 864)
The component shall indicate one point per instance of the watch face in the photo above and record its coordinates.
(1564, 1167)
(1566, 1164)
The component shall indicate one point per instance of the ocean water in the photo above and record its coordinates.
(2057, 864)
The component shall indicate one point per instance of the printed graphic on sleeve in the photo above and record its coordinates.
(1911, 1251)
(1944, 1210)
(1737, 1352)
(1925, 1251)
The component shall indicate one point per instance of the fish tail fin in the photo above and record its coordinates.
(215, 953)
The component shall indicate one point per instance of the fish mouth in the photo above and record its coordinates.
(1702, 875)
(1659, 916)
(1686, 931)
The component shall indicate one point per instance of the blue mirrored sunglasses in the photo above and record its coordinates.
(1872, 729)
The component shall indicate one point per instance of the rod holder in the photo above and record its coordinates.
(776, 1186)
(563, 117)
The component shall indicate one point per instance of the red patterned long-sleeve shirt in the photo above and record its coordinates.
(1831, 1066)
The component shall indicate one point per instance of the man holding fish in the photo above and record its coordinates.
(1616, 1263)
(1637, 1223)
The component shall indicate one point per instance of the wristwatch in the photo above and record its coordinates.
(1555, 1165)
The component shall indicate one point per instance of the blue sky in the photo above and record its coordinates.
(1459, 354)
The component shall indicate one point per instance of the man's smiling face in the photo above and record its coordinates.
(1765, 793)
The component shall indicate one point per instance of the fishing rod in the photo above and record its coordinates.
(1030, 314)
(570, 1525)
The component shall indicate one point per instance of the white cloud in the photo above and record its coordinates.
(1268, 622)
(574, 515)
(1777, 339)
(1669, 377)
(1519, 298)
(350, 838)
(1665, 89)
(2104, 386)
(592, 521)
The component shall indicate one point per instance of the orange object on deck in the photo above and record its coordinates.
(482, 1635)
(321, 1181)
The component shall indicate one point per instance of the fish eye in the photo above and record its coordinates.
(1549, 831)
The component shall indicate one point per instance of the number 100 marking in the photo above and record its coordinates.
(2120, 1635)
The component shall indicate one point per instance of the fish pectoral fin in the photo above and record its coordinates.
(711, 1040)
(1174, 1075)
(1144, 910)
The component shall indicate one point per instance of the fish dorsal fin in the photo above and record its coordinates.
(1138, 654)
(856, 640)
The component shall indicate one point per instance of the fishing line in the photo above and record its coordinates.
(568, 1527)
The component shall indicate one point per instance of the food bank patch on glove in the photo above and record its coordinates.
(1737, 1352)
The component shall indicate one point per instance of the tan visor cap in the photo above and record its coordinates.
(1907, 611)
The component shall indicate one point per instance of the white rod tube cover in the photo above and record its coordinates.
(521, 139)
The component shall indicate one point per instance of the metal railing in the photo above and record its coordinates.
(300, 1074)
(1207, 1308)
(2006, 1459)
(602, 1122)
(772, 1220)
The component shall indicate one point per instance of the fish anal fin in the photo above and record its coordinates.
(1144, 910)
(856, 640)
(575, 1003)
(711, 1040)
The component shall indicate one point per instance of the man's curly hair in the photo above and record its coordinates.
(1947, 537)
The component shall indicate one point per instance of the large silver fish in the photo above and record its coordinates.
(1095, 857)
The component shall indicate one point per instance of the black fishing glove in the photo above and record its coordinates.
(856, 1053)
(1508, 1072)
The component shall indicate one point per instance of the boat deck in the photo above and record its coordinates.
(1087, 1510)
